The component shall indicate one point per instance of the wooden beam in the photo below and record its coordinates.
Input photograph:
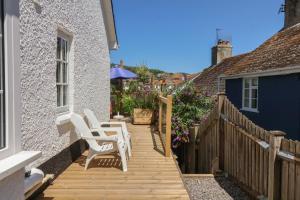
(168, 126)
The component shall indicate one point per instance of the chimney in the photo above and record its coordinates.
(292, 13)
(222, 50)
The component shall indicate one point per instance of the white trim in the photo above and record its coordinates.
(12, 78)
(270, 72)
(16, 162)
(250, 109)
(109, 22)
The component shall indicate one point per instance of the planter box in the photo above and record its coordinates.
(142, 116)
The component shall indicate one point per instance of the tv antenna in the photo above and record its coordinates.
(218, 31)
(282, 9)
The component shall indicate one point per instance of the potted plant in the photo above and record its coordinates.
(145, 106)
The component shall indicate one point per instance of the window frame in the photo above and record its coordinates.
(64, 108)
(11, 56)
(251, 87)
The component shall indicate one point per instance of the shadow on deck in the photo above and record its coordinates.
(150, 175)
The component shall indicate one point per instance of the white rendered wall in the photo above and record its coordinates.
(90, 61)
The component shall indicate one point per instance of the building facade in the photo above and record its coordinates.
(265, 84)
(60, 65)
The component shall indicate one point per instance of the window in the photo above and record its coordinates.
(10, 137)
(62, 74)
(250, 94)
(2, 89)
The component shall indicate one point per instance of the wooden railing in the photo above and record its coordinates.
(164, 122)
(261, 161)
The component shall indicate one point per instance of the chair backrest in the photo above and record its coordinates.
(84, 131)
(93, 121)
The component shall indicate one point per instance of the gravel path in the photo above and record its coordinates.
(218, 188)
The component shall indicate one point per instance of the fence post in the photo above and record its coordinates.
(274, 165)
(191, 149)
(168, 126)
(160, 117)
(221, 98)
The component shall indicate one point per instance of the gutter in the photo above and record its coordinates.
(271, 72)
(114, 19)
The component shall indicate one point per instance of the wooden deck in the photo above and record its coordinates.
(150, 175)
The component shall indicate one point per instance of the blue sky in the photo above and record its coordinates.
(177, 35)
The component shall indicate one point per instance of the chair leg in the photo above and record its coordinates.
(123, 159)
(128, 148)
(89, 158)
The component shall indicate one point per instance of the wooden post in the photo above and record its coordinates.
(274, 165)
(221, 98)
(160, 118)
(191, 149)
(168, 126)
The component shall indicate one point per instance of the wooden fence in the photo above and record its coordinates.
(164, 122)
(263, 162)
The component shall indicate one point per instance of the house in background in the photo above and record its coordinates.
(265, 83)
(55, 61)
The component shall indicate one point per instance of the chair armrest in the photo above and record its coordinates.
(104, 139)
(123, 124)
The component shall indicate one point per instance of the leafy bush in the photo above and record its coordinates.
(128, 104)
(189, 108)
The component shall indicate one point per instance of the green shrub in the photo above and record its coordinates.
(189, 108)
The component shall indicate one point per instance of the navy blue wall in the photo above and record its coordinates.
(278, 102)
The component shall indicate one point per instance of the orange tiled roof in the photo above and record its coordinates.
(207, 81)
(281, 50)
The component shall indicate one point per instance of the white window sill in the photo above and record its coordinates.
(16, 162)
(63, 119)
(250, 110)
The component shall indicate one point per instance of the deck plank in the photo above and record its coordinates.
(150, 175)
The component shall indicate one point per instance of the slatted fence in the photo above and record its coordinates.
(263, 162)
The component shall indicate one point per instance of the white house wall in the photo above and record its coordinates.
(90, 86)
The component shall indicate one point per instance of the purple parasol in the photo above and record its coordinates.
(120, 73)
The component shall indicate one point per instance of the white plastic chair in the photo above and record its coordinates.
(95, 125)
(106, 144)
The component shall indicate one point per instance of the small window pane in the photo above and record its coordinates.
(63, 50)
(247, 83)
(254, 82)
(58, 95)
(254, 103)
(58, 50)
(66, 51)
(58, 71)
(246, 103)
(246, 93)
(65, 73)
(254, 93)
(65, 94)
